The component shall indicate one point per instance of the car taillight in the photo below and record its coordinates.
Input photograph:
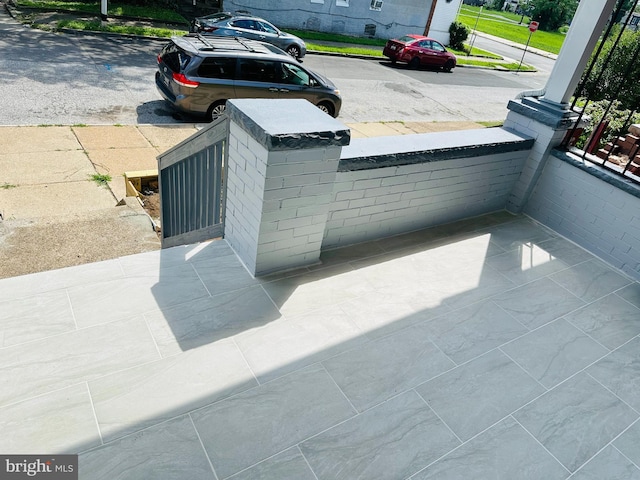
(159, 58)
(180, 79)
(209, 29)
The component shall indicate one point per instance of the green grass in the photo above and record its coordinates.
(346, 50)
(155, 13)
(101, 179)
(505, 25)
(7, 186)
(97, 26)
(333, 37)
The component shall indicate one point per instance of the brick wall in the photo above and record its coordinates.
(588, 206)
(379, 202)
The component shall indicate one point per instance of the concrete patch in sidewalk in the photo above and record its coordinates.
(44, 167)
(104, 137)
(163, 137)
(37, 139)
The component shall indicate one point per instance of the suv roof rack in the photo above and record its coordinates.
(244, 44)
(205, 41)
(220, 44)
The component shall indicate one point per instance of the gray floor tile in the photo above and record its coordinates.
(526, 263)
(245, 429)
(32, 318)
(628, 443)
(311, 291)
(609, 464)
(631, 293)
(620, 372)
(381, 313)
(169, 451)
(610, 320)
(139, 397)
(53, 280)
(291, 343)
(209, 319)
(576, 419)
(102, 302)
(519, 232)
(538, 302)
(38, 367)
(471, 331)
(554, 352)
(478, 394)
(351, 253)
(470, 286)
(375, 372)
(288, 465)
(391, 441)
(506, 451)
(174, 256)
(224, 274)
(56, 423)
(565, 250)
(466, 252)
(590, 280)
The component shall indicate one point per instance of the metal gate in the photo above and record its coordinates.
(191, 179)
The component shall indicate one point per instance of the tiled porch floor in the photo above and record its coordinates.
(486, 349)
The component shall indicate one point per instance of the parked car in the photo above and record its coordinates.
(198, 74)
(417, 50)
(246, 26)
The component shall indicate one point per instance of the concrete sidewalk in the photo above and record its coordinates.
(54, 215)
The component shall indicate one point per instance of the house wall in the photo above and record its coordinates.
(591, 207)
(391, 185)
(394, 19)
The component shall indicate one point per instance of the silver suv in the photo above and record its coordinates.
(197, 75)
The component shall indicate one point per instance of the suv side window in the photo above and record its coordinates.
(247, 24)
(254, 70)
(217, 68)
(295, 75)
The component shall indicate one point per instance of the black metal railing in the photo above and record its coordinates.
(607, 99)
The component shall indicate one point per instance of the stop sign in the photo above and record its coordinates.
(533, 26)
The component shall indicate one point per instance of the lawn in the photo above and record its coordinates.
(114, 9)
(506, 25)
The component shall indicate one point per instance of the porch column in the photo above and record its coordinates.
(282, 163)
(547, 118)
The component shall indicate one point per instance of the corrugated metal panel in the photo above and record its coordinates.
(191, 183)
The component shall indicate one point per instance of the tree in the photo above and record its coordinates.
(615, 78)
(552, 14)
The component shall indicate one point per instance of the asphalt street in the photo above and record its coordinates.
(61, 78)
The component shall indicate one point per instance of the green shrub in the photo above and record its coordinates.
(617, 117)
(458, 34)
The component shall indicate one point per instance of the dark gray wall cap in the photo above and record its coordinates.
(379, 152)
(287, 124)
(542, 113)
(599, 172)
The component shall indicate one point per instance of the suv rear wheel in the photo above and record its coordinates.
(216, 110)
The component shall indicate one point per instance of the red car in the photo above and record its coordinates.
(417, 50)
